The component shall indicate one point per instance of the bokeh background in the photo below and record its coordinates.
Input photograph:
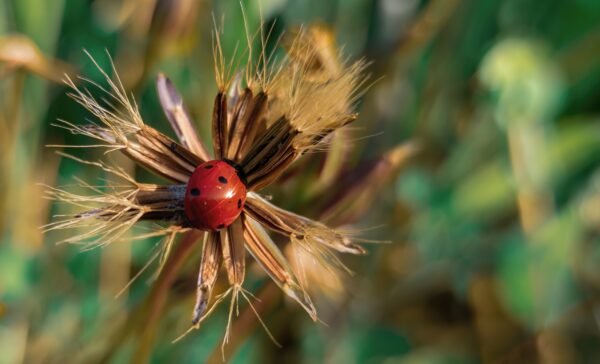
(476, 157)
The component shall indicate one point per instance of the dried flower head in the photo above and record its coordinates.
(264, 118)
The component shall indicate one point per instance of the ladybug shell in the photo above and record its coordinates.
(214, 196)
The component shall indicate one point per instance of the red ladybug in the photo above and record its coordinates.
(215, 196)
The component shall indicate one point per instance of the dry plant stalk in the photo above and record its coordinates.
(265, 118)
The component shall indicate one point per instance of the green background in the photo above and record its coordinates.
(493, 225)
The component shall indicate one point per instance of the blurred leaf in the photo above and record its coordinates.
(528, 81)
(516, 283)
(486, 192)
(572, 148)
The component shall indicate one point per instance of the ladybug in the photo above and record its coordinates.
(214, 196)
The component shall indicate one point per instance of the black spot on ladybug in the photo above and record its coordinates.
(195, 192)
(221, 226)
(223, 180)
(240, 203)
(209, 166)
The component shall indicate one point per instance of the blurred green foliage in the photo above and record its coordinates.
(494, 225)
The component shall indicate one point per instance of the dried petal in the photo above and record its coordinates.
(178, 116)
(244, 101)
(167, 149)
(145, 146)
(268, 255)
(232, 241)
(316, 99)
(323, 59)
(154, 164)
(298, 227)
(110, 213)
(316, 277)
(245, 123)
(219, 126)
(269, 156)
(123, 129)
(207, 277)
(163, 203)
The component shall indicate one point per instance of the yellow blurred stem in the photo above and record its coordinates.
(12, 105)
(115, 261)
(148, 317)
(114, 270)
(535, 202)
